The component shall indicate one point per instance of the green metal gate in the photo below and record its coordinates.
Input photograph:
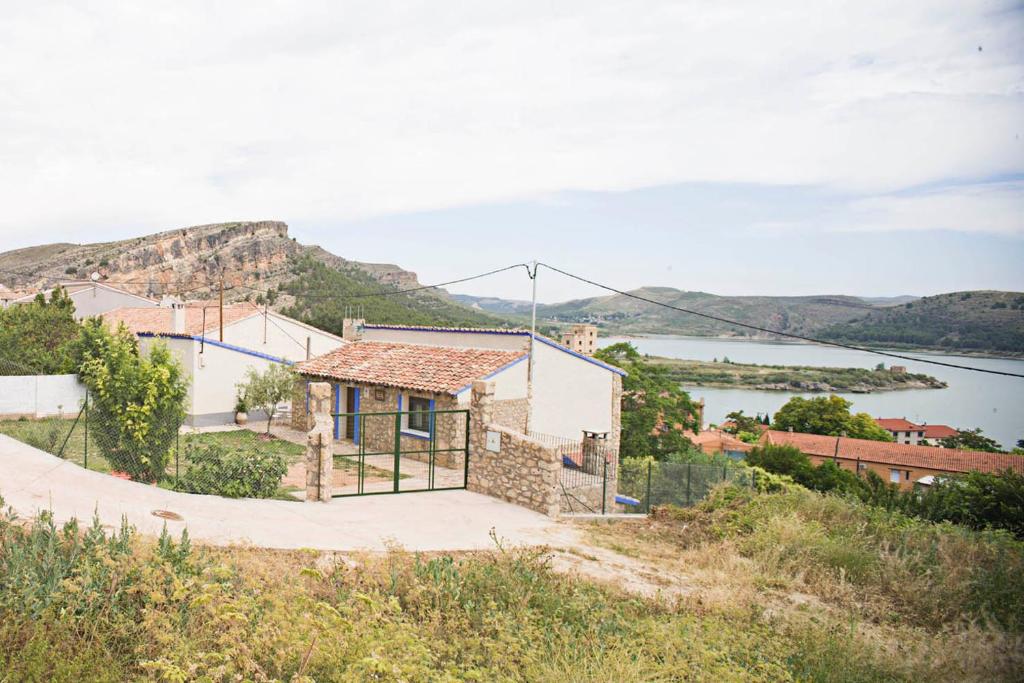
(386, 455)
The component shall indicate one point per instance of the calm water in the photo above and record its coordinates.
(973, 399)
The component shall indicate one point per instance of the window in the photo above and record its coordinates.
(894, 476)
(418, 419)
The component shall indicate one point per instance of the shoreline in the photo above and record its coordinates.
(794, 342)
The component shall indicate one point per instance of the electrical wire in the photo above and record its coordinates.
(273, 322)
(778, 332)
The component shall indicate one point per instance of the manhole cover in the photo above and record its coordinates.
(167, 514)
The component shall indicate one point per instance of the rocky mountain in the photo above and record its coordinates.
(258, 261)
(189, 262)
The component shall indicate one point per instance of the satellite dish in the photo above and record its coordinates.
(95, 277)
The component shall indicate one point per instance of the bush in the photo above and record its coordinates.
(218, 470)
(137, 402)
(46, 435)
(976, 499)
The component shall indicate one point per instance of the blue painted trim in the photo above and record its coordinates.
(355, 428)
(399, 400)
(433, 418)
(456, 330)
(594, 361)
(626, 500)
(223, 345)
(337, 409)
(500, 370)
(416, 435)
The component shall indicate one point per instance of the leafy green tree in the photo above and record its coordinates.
(655, 410)
(976, 499)
(38, 336)
(137, 403)
(827, 415)
(264, 390)
(742, 423)
(971, 440)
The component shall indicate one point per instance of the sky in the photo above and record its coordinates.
(871, 148)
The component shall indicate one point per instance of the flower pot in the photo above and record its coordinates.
(241, 418)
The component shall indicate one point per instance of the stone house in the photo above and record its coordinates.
(392, 368)
(897, 463)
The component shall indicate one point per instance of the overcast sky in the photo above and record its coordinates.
(774, 148)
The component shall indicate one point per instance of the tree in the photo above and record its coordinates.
(827, 415)
(742, 423)
(137, 403)
(655, 410)
(38, 336)
(264, 390)
(971, 440)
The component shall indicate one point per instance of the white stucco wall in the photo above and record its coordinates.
(510, 383)
(95, 300)
(40, 395)
(570, 394)
(476, 340)
(285, 338)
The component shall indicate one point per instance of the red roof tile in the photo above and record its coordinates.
(436, 369)
(157, 320)
(897, 424)
(939, 431)
(883, 452)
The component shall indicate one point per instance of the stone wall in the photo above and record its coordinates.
(513, 413)
(524, 471)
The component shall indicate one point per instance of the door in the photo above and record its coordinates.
(351, 407)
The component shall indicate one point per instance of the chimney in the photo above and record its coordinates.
(177, 318)
(352, 329)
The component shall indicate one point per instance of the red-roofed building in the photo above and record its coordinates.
(902, 430)
(401, 368)
(902, 464)
(933, 434)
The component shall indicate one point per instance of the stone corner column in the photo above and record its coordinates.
(319, 451)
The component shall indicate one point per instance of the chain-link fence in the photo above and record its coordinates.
(237, 463)
(644, 483)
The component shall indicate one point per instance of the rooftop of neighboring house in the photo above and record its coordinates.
(717, 441)
(159, 320)
(436, 369)
(897, 424)
(888, 453)
(73, 287)
(939, 431)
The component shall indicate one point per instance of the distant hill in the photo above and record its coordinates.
(960, 321)
(507, 307)
(623, 315)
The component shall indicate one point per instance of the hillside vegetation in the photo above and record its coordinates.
(770, 587)
(791, 377)
(962, 321)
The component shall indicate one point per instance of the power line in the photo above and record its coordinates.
(393, 292)
(777, 332)
(273, 322)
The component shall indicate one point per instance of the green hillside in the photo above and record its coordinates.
(962, 321)
(619, 314)
(324, 296)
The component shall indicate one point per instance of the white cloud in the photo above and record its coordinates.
(154, 116)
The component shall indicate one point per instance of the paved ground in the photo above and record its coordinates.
(31, 480)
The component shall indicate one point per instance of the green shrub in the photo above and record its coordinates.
(46, 435)
(215, 469)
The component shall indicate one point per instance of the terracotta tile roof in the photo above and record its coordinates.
(888, 453)
(939, 431)
(157, 320)
(717, 441)
(436, 369)
(897, 424)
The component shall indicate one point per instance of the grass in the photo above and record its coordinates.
(776, 597)
(909, 599)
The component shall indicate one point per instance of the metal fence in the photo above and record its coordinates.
(238, 463)
(643, 484)
(400, 452)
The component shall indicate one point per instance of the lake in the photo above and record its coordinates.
(973, 399)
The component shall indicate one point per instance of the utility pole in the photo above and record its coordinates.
(533, 334)
(222, 306)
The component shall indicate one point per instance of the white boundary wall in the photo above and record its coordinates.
(40, 395)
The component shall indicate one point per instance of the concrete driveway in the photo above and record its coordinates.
(32, 480)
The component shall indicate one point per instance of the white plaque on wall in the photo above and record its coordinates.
(494, 442)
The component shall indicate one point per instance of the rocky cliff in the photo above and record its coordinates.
(189, 262)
